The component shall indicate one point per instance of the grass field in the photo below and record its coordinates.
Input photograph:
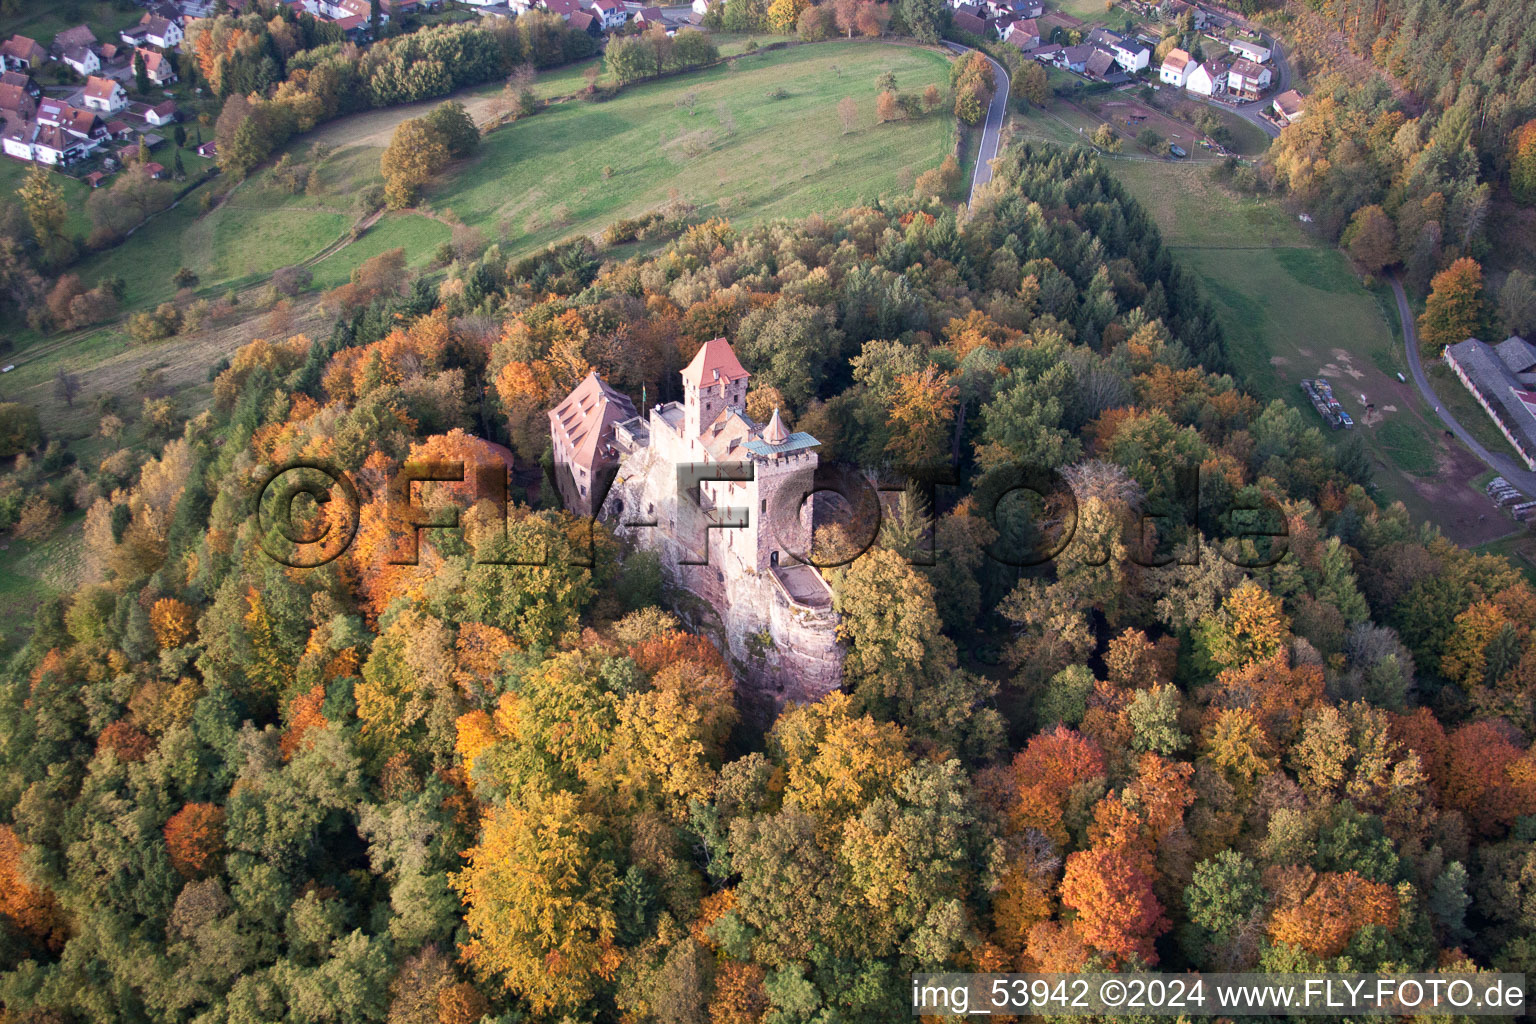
(714, 137)
(42, 21)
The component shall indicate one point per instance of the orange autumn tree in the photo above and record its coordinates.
(31, 908)
(1046, 772)
(1339, 905)
(922, 418)
(303, 718)
(385, 536)
(1116, 909)
(194, 838)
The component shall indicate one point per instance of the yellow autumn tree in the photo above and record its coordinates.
(173, 621)
(835, 762)
(1250, 626)
(539, 903)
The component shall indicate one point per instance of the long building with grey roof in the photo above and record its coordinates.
(1502, 378)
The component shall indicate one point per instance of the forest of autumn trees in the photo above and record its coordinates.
(1408, 152)
(456, 791)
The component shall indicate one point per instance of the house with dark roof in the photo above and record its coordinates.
(1100, 64)
(1075, 58)
(153, 30)
(20, 53)
(82, 59)
(80, 35)
(161, 114)
(649, 16)
(1503, 380)
(585, 21)
(966, 21)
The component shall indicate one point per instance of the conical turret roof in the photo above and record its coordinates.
(775, 432)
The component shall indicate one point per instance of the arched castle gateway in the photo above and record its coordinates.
(719, 497)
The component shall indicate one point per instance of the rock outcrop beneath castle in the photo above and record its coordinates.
(775, 625)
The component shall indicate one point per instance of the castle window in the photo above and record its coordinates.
(765, 506)
(773, 558)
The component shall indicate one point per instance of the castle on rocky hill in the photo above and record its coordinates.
(723, 501)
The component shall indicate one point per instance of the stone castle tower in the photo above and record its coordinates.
(724, 501)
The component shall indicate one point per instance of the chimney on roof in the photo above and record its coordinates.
(775, 433)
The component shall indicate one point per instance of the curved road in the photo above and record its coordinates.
(987, 152)
(1522, 478)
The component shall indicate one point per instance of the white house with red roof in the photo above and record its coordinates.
(612, 13)
(157, 66)
(104, 94)
(21, 53)
(1176, 68)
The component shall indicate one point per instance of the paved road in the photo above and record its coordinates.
(994, 125)
(1504, 465)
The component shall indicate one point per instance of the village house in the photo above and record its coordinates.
(700, 7)
(1288, 106)
(43, 143)
(585, 21)
(82, 59)
(208, 150)
(1075, 58)
(157, 66)
(16, 104)
(74, 121)
(1100, 64)
(19, 53)
(564, 8)
(104, 94)
(730, 542)
(648, 16)
(965, 19)
(1174, 10)
(1024, 33)
(1128, 53)
(23, 82)
(1176, 68)
(161, 115)
(612, 13)
(1247, 80)
(1256, 52)
(1208, 79)
(80, 35)
(154, 30)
